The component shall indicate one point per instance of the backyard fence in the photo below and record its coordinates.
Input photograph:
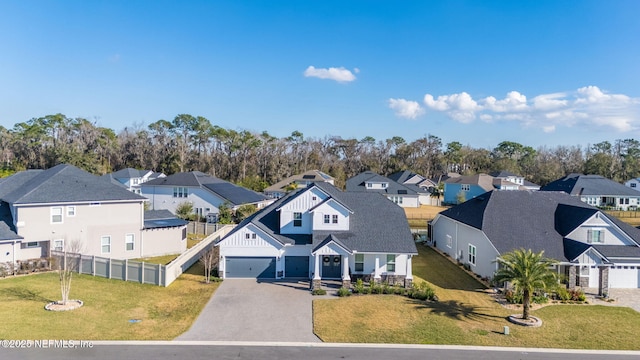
(203, 228)
(138, 271)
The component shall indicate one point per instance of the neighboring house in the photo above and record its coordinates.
(322, 233)
(368, 181)
(463, 188)
(44, 210)
(423, 186)
(505, 180)
(633, 183)
(593, 249)
(298, 181)
(132, 178)
(206, 193)
(597, 190)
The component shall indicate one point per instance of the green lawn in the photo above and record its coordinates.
(108, 306)
(162, 260)
(466, 315)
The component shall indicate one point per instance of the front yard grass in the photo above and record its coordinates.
(109, 305)
(466, 315)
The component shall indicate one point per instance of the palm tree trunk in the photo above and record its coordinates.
(526, 300)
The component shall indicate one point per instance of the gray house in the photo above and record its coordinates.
(593, 249)
(322, 233)
(597, 190)
(400, 194)
(44, 210)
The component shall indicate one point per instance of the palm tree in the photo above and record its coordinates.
(527, 272)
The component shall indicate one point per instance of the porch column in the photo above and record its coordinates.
(376, 271)
(408, 279)
(316, 282)
(603, 286)
(346, 279)
(572, 277)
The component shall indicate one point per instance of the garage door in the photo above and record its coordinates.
(296, 266)
(250, 267)
(624, 277)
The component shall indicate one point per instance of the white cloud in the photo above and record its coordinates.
(338, 74)
(588, 107)
(405, 108)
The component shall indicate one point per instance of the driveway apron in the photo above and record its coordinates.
(251, 310)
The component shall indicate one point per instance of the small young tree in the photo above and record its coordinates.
(67, 265)
(244, 211)
(225, 216)
(527, 272)
(209, 259)
(461, 197)
(184, 210)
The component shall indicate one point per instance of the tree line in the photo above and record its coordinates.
(256, 160)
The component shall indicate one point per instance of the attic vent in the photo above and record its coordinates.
(402, 191)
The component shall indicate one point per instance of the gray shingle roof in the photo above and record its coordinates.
(63, 183)
(358, 184)
(579, 184)
(236, 195)
(7, 230)
(376, 225)
(129, 173)
(537, 220)
(154, 219)
(311, 176)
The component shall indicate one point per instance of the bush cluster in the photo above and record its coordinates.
(420, 291)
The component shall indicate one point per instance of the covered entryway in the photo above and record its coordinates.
(624, 277)
(250, 267)
(594, 276)
(296, 267)
(331, 266)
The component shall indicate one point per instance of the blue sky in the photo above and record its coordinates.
(542, 73)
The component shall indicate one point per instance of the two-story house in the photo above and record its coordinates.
(463, 188)
(322, 233)
(370, 182)
(132, 178)
(597, 190)
(206, 193)
(281, 188)
(44, 210)
(593, 249)
(506, 180)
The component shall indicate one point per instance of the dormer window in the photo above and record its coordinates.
(369, 185)
(384, 185)
(595, 236)
(465, 187)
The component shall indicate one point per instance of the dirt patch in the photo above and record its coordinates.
(59, 306)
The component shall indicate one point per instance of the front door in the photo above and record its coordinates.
(331, 266)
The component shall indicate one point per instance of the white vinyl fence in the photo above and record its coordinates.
(138, 271)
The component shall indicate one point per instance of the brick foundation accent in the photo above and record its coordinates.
(346, 284)
(584, 282)
(603, 288)
(408, 283)
(316, 284)
(572, 277)
(389, 279)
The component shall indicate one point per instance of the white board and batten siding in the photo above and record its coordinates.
(161, 198)
(301, 204)
(612, 236)
(331, 208)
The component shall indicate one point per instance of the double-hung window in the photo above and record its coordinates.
(180, 192)
(391, 262)
(334, 219)
(58, 244)
(56, 215)
(105, 244)
(472, 254)
(71, 211)
(297, 219)
(129, 241)
(326, 218)
(359, 264)
(595, 236)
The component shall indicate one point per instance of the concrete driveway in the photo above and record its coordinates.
(251, 310)
(622, 297)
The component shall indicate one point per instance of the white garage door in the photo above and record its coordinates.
(624, 277)
(594, 277)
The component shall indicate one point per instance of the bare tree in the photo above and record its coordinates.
(67, 265)
(209, 259)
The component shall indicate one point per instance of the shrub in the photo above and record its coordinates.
(421, 291)
(375, 287)
(540, 299)
(319, 292)
(398, 290)
(562, 294)
(387, 289)
(577, 295)
(358, 287)
(513, 297)
(343, 291)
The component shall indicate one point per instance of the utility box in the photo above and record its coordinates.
(506, 330)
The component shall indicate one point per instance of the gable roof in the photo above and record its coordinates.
(580, 184)
(536, 220)
(376, 224)
(310, 176)
(129, 173)
(483, 180)
(7, 230)
(236, 195)
(61, 184)
(358, 184)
